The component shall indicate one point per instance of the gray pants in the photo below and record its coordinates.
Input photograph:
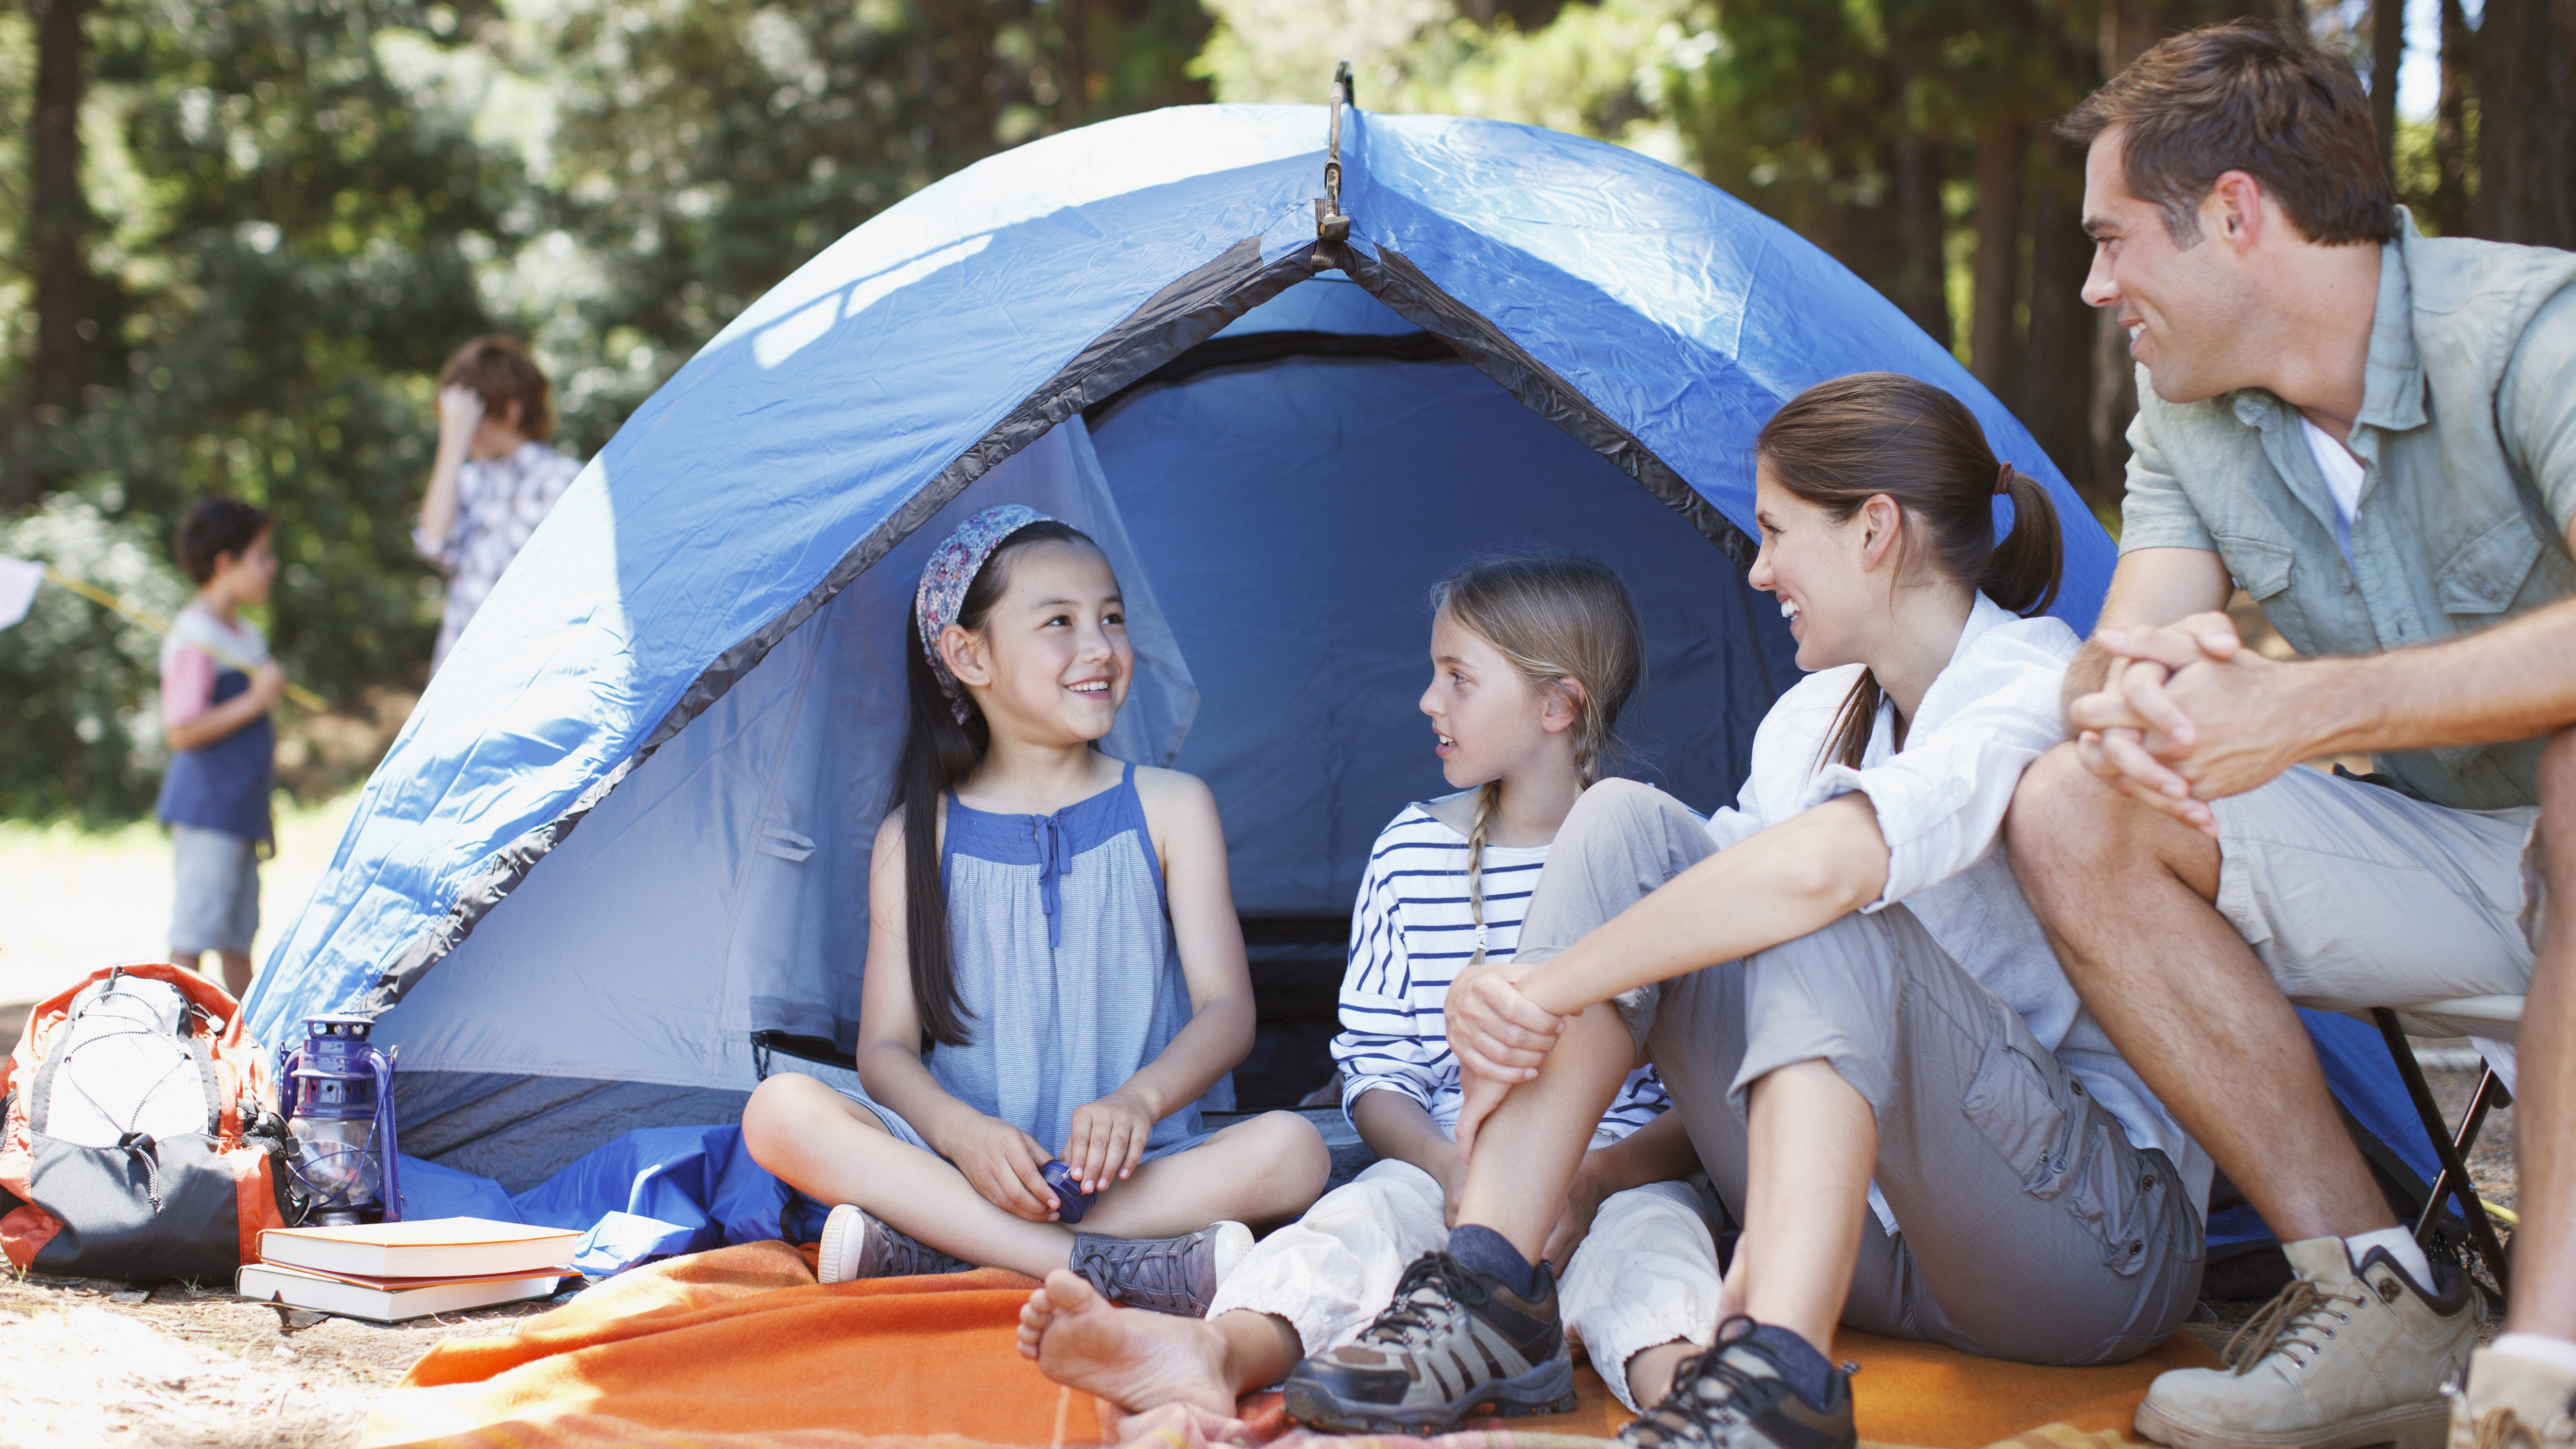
(2031, 1228)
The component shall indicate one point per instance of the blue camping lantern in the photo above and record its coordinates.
(340, 1113)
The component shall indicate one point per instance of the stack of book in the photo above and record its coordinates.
(391, 1271)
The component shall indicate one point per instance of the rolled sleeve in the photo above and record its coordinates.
(442, 553)
(2155, 513)
(1940, 802)
(2536, 405)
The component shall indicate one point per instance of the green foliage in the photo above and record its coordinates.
(305, 205)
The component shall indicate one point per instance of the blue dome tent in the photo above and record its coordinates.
(614, 863)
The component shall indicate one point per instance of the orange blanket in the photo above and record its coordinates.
(742, 1349)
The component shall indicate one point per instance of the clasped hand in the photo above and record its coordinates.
(1501, 1038)
(2186, 715)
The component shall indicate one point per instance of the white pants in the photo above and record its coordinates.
(1645, 1275)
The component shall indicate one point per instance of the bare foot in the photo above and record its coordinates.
(1134, 1359)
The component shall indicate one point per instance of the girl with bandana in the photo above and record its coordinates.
(1054, 976)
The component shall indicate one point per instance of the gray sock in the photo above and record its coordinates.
(1492, 1254)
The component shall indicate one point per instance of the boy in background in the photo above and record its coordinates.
(217, 688)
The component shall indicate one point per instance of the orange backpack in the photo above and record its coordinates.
(139, 1136)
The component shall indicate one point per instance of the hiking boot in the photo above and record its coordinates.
(856, 1245)
(1167, 1275)
(1733, 1396)
(1455, 1340)
(2509, 1402)
(2342, 1357)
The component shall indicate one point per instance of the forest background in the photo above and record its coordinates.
(238, 237)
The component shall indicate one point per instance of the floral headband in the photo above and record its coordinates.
(950, 572)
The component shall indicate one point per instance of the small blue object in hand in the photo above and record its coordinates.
(1071, 1201)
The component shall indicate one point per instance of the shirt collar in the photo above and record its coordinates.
(2392, 390)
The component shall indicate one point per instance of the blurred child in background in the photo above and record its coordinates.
(494, 478)
(217, 688)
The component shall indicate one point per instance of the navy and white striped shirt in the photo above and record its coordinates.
(1411, 934)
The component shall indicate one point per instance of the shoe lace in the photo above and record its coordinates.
(905, 1256)
(2502, 1428)
(1707, 1396)
(1425, 1298)
(1156, 1269)
(2294, 1319)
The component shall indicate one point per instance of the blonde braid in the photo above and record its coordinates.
(1487, 797)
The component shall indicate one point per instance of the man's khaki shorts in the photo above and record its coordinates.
(2356, 896)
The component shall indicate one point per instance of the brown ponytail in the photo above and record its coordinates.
(1843, 442)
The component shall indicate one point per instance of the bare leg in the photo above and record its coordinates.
(831, 1148)
(2126, 896)
(1266, 1170)
(236, 973)
(1526, 1152)
(1139, 1360)
(1650, 1372)
(1811, 1142)
(2544, 1249)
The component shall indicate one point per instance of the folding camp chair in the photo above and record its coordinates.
(2503, 1014)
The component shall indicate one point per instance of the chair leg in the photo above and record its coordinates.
(2453, 1181)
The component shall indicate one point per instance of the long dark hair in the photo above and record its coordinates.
(938, 752)
(1841, 443)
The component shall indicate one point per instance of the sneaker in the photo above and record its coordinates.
(858, 1246)
(1167, 1275)
(2510, 1402)
(2344, 1356)
(1454, 1341)
(1733, 1397)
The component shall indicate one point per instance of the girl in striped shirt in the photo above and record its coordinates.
(1532, 658)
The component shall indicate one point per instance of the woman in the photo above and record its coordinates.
(1886, 1075)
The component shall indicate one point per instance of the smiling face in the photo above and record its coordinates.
(2185, 307)
(1818, 569)
(1052, 662)
(1487, 720)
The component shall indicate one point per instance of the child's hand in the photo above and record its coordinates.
(1478, 1097)
(460, 410)
(1007, 1166)
(1108, 1140)
(1574, 1220)
(267, 683)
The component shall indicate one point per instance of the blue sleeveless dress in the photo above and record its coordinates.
(1060, 942)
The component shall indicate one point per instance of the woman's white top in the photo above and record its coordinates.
(1940, 803)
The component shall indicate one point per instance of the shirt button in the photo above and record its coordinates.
(2487, 592)
(2347, 583)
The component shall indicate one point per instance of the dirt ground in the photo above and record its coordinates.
(86, 1361)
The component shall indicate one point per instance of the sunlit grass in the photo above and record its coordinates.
(74, 900)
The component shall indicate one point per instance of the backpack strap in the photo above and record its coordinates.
(197, 1047)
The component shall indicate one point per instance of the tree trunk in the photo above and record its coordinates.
(2128, 28)
(2526, 126)
(2387, 53)
(1921, 267)
(2057, 366)
(2001, 148)
(57, 215)
(2448, 210)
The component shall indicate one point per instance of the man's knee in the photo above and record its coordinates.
(2058, 810)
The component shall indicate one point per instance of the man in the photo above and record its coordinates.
(2375, 435)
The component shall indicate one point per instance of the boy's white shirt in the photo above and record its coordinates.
(1940, 802)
